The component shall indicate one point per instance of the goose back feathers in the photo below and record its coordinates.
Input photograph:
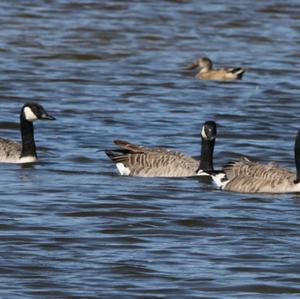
(252, 177)
(136, 160)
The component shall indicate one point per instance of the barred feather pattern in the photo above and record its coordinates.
(10, 151)
(252, 177)
(149, 162)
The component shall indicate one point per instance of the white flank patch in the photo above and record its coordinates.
(218, 180)
(202, 173)
(122, 169)
(28, 159)
(29, 115)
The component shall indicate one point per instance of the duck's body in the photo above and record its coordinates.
(252, 177)
(208, 73)
(25, 152)
(136, 160)
(221, 74)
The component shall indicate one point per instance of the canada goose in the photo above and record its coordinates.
(136, 160)
(13, 152)
(252, 177)
(208, 73)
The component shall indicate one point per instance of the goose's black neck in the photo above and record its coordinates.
(297, 157)
(28, 144)
(206, 159)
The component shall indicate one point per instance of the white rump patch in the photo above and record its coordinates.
(28, 159)
(29, 115)
(122, 169)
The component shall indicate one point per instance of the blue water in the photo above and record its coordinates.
(70, 226)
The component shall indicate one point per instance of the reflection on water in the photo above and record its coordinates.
(70, 226)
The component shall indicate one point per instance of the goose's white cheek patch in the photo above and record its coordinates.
(122, 169)
(29, 115)
(203, 133)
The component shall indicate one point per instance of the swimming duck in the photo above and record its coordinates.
(208, 73)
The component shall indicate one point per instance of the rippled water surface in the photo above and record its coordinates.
(70, 226)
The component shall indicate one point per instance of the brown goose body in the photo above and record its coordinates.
(10, 151)
(150, 162)
(136, 160)
(252, 177)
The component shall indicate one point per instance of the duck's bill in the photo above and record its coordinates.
(191, 66)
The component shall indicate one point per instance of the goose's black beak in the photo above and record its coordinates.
(47, 116)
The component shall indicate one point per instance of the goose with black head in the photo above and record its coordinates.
(24, 152)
